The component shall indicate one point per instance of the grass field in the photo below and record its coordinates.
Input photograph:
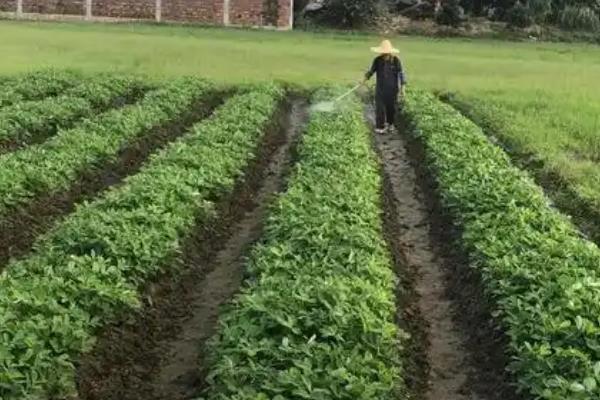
(239, 55)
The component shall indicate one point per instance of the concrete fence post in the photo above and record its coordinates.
(158, 11)
(19, 8)
(226, 4)
(88, 10)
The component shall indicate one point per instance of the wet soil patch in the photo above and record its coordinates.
(51, 128)
(22, 226)
(482, 344)
(157, 354)
(408, 317)
(456, 351)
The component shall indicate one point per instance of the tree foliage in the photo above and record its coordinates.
(451, 14)
(349, 13)
(568, 14)
(579, 18)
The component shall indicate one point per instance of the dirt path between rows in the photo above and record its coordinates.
(181, 366)
(448, 372)
(166, 363)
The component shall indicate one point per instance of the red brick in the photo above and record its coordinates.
(207, 11)
(66, 7)
(284, 13)
(241, 12)
(142, 9)
(246, 12)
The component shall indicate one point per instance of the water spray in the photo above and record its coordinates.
(329, 106)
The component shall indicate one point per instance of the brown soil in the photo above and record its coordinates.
(444, 311)
(49, 130)
(19, 230)
(157, 354)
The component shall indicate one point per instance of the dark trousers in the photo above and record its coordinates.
(385, 108)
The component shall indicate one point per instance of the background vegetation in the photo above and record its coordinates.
(573, 15)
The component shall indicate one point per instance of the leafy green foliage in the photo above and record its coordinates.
(90, 267)
(36, 85)
(349, 13)
(55, 164)
(541, 275)
(579, 18)
(519, 16)
(316, 319)
(451, 14)
(540, 9)
(22, 121)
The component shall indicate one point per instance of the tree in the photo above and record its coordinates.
(450, 14)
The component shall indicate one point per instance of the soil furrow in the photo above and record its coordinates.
(448, 371)
(19, 230)
(158, 354)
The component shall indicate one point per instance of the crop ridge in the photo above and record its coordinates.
(131, 363)
(482, 341)
(20, 228)
(564, 197)
(537, 273)
(36, 85)
(102, 255)
(315, 318)
(32, 122)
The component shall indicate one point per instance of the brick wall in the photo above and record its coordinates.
(246, 12)
(143, 9)
(285, 12)
(241, 12)
(206, 11)
(68, 7)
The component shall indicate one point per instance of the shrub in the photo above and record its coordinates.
(349, 13)
(579, 18)
(519, 16)
(451, 14)
(299, 5)
(540, 9)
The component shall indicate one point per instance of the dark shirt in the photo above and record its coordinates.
(389, 74)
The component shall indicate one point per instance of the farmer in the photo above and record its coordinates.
(390, 80)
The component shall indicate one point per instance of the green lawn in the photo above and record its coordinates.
(552, 90)
(239, 55)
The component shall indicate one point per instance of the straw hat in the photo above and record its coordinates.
(385, 48)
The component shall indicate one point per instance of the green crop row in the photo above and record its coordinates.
(316, 318)
(563, 161)
(24, 121)
(36, 85)
(89, 269)
(53, 165)
(542, 277)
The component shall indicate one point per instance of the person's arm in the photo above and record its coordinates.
(371, 71)
(401, 76)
